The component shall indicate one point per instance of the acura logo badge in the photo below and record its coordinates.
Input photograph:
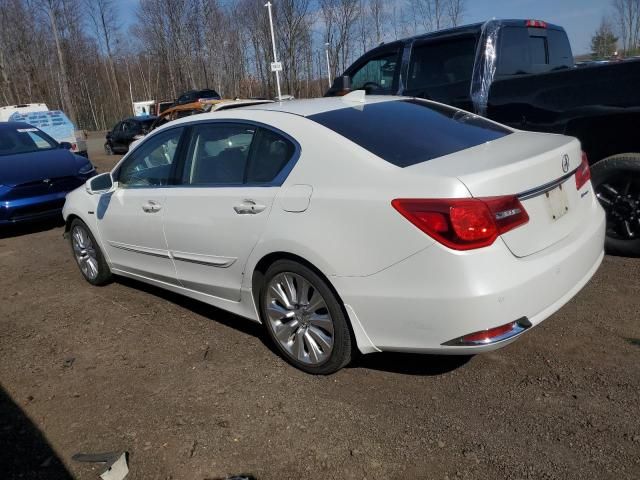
(565, 163)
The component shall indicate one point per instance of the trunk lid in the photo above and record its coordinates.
(539, 169)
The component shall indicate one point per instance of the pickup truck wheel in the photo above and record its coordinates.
(616, 182)
(108, 149)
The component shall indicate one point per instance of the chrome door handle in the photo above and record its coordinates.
(248, 207)
(151, 207)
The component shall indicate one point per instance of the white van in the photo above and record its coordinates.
(53, 122)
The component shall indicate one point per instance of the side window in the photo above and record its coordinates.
(378, 73)
(442, 63)
(117, 128)
(218, 154)
(151, 163)
(271, 152)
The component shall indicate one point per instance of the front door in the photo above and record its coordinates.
(130, 218)
(230, 177)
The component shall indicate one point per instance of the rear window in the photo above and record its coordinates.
(407, 132)
(533, 50)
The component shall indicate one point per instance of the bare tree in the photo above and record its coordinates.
(455, 11)
(627, 13)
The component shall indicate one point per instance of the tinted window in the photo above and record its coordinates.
(519, 52)
(532, 50)
(420, 131)
(560, 54)
(270, 154)
(24, 140)
(377, 73)
(218, 154)
(151, 163)
(538, 50)
(435, 64)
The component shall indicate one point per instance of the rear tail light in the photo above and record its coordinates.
(536, 24)
(583, 174)
(464, 223)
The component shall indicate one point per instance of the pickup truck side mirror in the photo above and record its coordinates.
(102, 183)
(341, 84)
(66, 146)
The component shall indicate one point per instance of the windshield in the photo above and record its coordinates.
(24, 139)
(420, 130)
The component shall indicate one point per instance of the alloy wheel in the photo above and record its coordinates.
(298, 316)
(84, 252)
(620, 197)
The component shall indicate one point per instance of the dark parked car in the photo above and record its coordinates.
(125, 132)
(521, 73)
(36, 173)
(194, 95)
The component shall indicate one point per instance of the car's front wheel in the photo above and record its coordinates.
(616, 181)
(87, 254)
(304, 318)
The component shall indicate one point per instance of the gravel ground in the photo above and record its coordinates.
(193, 392)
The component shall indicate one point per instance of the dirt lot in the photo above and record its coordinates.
(195, 393)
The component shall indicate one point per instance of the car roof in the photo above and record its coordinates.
(307, 107)
(473, 28)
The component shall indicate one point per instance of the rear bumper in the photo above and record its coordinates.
(426, 302)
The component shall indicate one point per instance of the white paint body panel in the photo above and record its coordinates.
(401, 289)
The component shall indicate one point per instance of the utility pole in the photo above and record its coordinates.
(326, 51)
(275, 67)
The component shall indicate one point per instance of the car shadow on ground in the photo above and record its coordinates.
(411, 363)
(24, 450)
(29, 228)
(405, 363)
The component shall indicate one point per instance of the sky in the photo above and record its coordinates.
(580, 18)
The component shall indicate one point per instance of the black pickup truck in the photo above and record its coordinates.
(521, 73)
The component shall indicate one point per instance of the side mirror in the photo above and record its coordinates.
(102, 183)
(342, 84)
(66, 146)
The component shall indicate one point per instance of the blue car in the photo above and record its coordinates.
(36, 173)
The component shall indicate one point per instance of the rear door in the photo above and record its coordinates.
(441, 70)
(214, 218)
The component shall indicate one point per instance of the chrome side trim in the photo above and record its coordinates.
(542, 189)
(520, 325)
(208, 260)
(154, 252)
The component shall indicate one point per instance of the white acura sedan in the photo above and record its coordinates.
(376, 224)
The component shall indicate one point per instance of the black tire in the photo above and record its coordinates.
(108, 149)
(341, 352)
(103, 275)
(622, 173)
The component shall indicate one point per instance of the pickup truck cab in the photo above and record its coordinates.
(522, 73)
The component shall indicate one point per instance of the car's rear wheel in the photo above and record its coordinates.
(616, 181)
(108, 149)
(87, 254)
(304, 318)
